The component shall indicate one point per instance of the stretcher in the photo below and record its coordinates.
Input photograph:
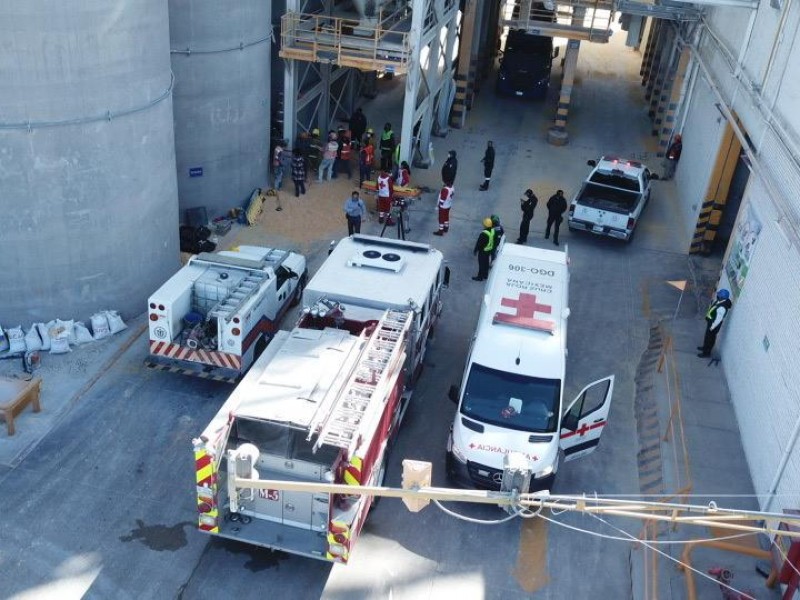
(400, 191)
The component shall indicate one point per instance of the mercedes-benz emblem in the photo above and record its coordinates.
(497, 477)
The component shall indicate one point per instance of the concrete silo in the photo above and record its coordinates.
(88, 193)
(221, 61)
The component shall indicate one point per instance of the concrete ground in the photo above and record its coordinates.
(101, 504)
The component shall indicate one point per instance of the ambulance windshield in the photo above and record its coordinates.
(510, 400)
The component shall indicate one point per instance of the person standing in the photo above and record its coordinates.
(298, 172)
(488, 166)
(404, 175)
(328, 156)
(344, 155)
(314, 150)
(499, 234)
(527, 205)
(715, 315)
(450, 168)
(484, 247)
(277, 164)
(387, 145)
(385, 191)
(444, 204)
(556, 207)
(366, 158)
(358, 125)
(673, 156)
(354, 211)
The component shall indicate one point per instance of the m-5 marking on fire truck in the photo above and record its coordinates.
(498, 450)
(526, 306)
(269, 495)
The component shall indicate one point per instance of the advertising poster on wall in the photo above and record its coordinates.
(747, 230)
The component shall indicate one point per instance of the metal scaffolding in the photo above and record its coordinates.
(587, 20)
(415, 38)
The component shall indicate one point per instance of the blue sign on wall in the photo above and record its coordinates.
(195, 171)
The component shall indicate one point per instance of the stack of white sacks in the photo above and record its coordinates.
(58, 336)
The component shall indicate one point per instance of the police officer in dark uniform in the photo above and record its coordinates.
(527, 204)
(556, 207)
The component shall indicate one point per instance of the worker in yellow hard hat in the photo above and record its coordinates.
(483, 248)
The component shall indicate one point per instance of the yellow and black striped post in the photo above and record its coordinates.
(666, 125)
(557, 134)
(703, 219)
(661, 70)
(647, 59)
(467, 65)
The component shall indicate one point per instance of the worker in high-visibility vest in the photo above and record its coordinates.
(715, 315)
(387, 145)
(483, 248)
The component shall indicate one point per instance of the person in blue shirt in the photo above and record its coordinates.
(354, 210)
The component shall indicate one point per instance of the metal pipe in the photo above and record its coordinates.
(776, 42)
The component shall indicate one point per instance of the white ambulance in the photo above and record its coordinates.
(511, 396)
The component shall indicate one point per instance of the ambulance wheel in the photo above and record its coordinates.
(298, 293)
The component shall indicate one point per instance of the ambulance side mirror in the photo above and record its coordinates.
(446, 281)
(453, 393)
(591, 163)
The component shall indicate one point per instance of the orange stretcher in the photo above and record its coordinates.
(400, 191)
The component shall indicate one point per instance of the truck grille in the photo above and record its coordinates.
(484, 476)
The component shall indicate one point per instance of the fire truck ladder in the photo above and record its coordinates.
(362, 394)
(225, 309)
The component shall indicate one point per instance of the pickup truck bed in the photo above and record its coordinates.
(607, 198)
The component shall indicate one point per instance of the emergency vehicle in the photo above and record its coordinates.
(217, 314)
(323, 403)
(511, 398)
(611, 200)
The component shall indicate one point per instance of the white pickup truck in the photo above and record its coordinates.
(611, 200)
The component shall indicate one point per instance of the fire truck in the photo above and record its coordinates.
(215, 316)
(324, 402)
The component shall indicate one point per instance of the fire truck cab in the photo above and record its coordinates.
(511, 396)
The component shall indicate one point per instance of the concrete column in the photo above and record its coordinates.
(465, 74)
(661, 72)
(650, 51)
(660, 102)
(290, 100)
(433, 79)
(667, 126)
(412, 79)
(557, 134)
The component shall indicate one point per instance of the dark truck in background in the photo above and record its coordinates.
(525, 67)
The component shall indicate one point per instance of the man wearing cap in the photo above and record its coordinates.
(450, 168)
(483, 248)
(527, 204)
(715, 315)
(314, 150)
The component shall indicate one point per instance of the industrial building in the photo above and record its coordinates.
(115, 117)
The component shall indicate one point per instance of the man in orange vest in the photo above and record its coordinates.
(366, 158)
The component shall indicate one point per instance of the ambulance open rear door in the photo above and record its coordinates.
(585, 419)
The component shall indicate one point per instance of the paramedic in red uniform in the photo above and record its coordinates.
(445, 202)
(385, 191)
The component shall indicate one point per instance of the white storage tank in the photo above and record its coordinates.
(221, 61)
(88, 192)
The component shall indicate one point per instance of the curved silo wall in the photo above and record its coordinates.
(221, 61)
(88, 193)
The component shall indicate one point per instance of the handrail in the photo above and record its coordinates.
(321, 37)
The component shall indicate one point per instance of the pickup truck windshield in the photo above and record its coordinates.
(618, 181)
(511, 401)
